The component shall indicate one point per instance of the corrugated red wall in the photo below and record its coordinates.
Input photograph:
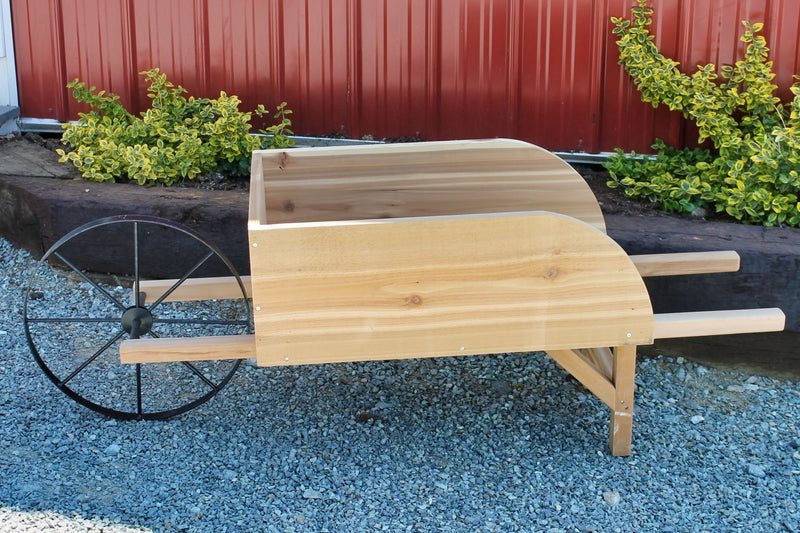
(540, 70)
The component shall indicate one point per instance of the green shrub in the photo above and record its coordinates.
(753, 171)
(177, 138)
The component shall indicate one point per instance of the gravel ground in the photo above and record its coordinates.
(492, 443)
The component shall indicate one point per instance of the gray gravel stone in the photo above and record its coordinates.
(112, 449)
(311, 494)
(487, 443)
(755, 470)
(612, 498)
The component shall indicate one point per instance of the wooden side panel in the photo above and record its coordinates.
(256, 210)
(420, 179)
(441, 286)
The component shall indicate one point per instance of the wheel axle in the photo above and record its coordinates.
(137, 321)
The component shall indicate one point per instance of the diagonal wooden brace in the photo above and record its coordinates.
(615, 390)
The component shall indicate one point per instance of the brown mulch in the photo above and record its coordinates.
(613, 201)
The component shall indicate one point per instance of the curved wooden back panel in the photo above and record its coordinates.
(417, 180)
(438, 286)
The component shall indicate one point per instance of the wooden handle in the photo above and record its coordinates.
(674, 264)
(699, 324)
(187, 349)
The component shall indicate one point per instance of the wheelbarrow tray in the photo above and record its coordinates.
(394, 253)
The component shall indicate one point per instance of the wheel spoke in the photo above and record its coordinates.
(92, 282)
(86, 320)
(198, 322)
(136, 264)
(199, 374)
(180, 281)
(139, 389)
(94, 356)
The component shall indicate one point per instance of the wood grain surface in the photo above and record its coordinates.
(441, 286)
(417, 180)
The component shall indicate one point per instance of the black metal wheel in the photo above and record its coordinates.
(75, 318)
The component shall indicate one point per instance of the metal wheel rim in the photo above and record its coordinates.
(139, 414)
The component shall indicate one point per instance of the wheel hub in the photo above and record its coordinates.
(137, 320)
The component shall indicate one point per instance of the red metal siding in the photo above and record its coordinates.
(692, 32)
(541, 70)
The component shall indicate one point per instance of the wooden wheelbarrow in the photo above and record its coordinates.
(440, 249)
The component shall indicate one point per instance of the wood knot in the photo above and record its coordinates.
(551, 274)
(414, 299)
(288, 206)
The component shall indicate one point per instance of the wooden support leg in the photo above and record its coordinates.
(621, 428)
